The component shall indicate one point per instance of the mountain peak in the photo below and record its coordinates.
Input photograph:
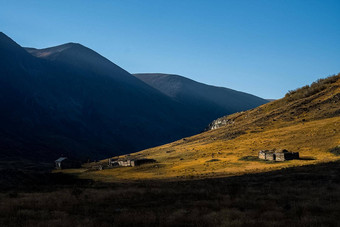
(51, 51)
(3, 35)
(10, 50)
(7, 43)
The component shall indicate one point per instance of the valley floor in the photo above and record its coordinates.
(298, 196)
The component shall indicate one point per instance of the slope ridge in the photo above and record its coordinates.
(209, 101)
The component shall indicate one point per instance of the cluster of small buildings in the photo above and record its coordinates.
(278, 155)
(271, 155)
(66, 163)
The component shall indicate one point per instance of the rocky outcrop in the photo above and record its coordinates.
(219, 123)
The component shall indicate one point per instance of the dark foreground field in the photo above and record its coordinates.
(301, 196)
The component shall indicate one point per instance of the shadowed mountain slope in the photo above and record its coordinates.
(210, 101)
(70, 100)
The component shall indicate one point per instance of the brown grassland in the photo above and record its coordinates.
(307, 121)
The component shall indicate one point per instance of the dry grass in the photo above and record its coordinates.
(309, 125)
(191, 160)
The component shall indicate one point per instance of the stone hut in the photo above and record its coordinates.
(129, 162)
(113, 162)
(278, 155)
(126, 162)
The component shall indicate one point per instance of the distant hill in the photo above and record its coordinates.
(306, 120)
(208, 101)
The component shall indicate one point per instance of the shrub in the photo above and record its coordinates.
(309, 90)
(213, 160)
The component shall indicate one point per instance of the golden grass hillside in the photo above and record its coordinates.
(306, 120)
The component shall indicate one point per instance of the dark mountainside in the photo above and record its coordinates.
(209, 101)
(76, 102)
(70, 100)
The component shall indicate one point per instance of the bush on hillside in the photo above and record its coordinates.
(312, 89)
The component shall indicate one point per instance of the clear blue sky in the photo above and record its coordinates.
(262, 47)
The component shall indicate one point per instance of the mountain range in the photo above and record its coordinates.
(70, 100)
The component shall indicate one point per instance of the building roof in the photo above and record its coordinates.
(126, 159)
(275, 151)
(60, 159)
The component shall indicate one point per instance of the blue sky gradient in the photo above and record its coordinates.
(261, 47)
